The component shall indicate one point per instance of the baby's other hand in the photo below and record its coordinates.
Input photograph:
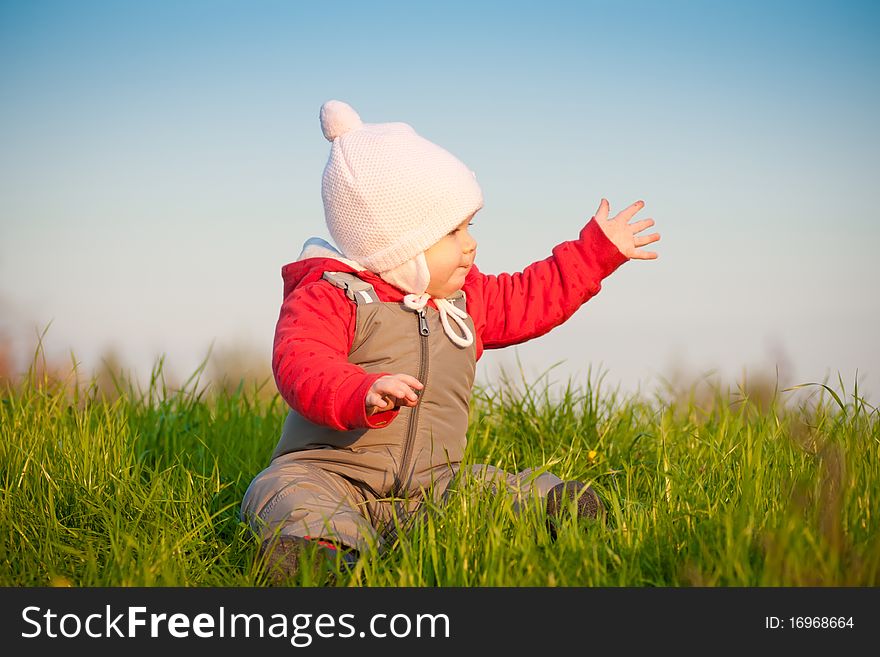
(623, 234)
(392, 391)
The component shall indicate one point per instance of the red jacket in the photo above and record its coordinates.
(316, 326)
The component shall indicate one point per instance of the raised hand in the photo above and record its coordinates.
(392, 391)
(623, 234)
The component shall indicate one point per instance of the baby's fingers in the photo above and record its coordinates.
(644, 255)
(647, 239)
(411, 381)
(405, 395)
(639, 226)
(377, 403)
(602, 212)
(629, 213)
(398, 390)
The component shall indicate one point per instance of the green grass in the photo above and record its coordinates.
(143, 490)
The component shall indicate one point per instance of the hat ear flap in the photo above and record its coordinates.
(412, 276)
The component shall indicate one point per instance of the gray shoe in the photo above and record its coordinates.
(284, 556)
(588, 504)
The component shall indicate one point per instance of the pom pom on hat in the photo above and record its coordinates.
(338, 118)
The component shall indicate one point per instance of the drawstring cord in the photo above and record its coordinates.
(447, 309)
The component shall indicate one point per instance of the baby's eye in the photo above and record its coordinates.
(455, 230)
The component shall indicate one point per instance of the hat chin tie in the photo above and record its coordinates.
(413, 276)
(447, 309)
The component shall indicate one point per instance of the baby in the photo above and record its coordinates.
(377, 343)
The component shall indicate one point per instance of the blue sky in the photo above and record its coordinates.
(162, 161)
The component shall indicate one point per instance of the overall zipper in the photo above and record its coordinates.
(424, 332)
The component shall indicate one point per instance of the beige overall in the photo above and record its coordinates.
(348, 486)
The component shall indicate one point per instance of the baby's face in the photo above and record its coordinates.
(450, 259)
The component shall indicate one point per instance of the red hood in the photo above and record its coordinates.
(303, 272)
(309, 270)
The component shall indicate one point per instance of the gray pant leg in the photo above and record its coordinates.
(521, 486)
(300, 499)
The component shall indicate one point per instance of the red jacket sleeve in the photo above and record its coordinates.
(310, 360)
(518, 307)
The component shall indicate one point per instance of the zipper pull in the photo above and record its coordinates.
(423, 323)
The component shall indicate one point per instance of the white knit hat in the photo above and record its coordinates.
(389, 194)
